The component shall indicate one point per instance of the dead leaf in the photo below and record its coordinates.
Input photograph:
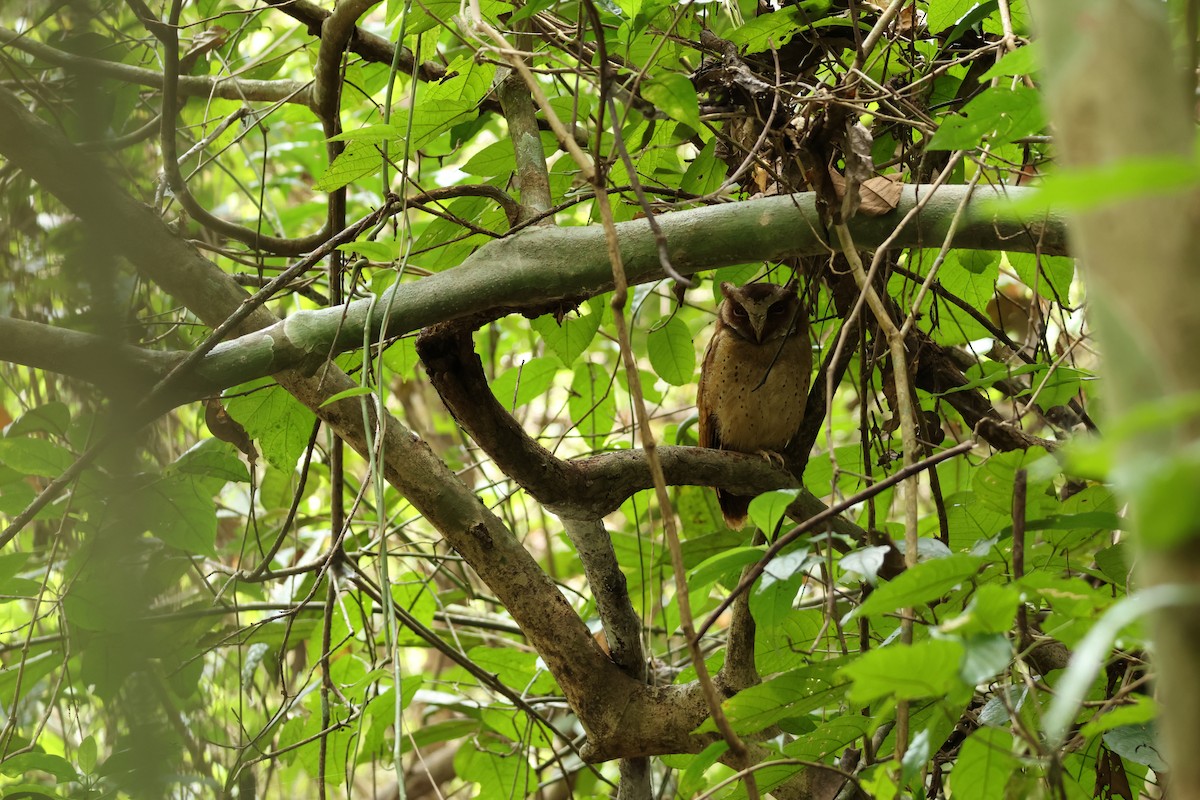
(228, 429)
(880, 195)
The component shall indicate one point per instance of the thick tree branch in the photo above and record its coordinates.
(537, 268)
(228, 88)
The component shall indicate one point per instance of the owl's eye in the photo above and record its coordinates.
(779, 309)
(739, 312)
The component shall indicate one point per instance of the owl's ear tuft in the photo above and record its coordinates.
(726, 288)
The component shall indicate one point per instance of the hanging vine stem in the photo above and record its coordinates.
(908, 435)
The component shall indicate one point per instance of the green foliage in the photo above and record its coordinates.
(185, 622)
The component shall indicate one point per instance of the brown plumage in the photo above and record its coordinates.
(754, 381)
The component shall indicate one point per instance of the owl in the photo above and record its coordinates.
(754, 382)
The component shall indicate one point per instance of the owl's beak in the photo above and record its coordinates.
(759, 323)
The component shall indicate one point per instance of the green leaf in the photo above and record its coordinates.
(769, 509)
(86, 755)
(414, 594)
(500, 770)
(986, 657)
(1137, 743)
(723, 565)
(777, 28)
(37, 457)
(991, 610)
(517, 386)
(1050, 276)
(53, 418)
(210, 458)
(358, 160)
(1020, 62)
(376, 251)
(672, 352)
(907, 672)
(792, 694)
(180, 511)
(691, 782)
(274, 419)
(971, 521)
(944, 13)
(1001, 114)
(706, 173)
(984, 765)
(1143, 709)
(354, 391)
(401, 357)
(591, 404)
(57, 766)
(675, 94)
(920, 584)
(569, 338)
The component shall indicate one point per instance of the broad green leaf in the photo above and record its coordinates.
(767, 510)
(1141, 710)
(1022, 61)
(1137, 743)
(210, 458)
(401, 357)
(998, 113)
(706, 172)
(570, 337)
(358, 160)
(984, 765)
(777, 29)
(591, 404)
(691, 782)
(179, 511)
(498, 767)
(970, 521)
(516, 668)
(1051, 276)
(986, 657)
(517, 386)
(906, 672)
(772, 599)
(57, 766)
(378, 251)
(991, 610)
(31, 456)
(416, 596)
(53, 418)
(274, 419)
(723, 565)
(675, 94)
(792, 694)
(971, 276)
(920, 584)
(944, 13)
(672, 352)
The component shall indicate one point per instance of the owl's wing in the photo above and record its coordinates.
(707, 432)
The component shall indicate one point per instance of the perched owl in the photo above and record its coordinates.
(754, 382)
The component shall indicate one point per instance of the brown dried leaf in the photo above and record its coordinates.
(880, 195)
(227, 429)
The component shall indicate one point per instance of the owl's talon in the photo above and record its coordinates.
(773, 458)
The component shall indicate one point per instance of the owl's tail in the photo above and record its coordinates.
(734, 507)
